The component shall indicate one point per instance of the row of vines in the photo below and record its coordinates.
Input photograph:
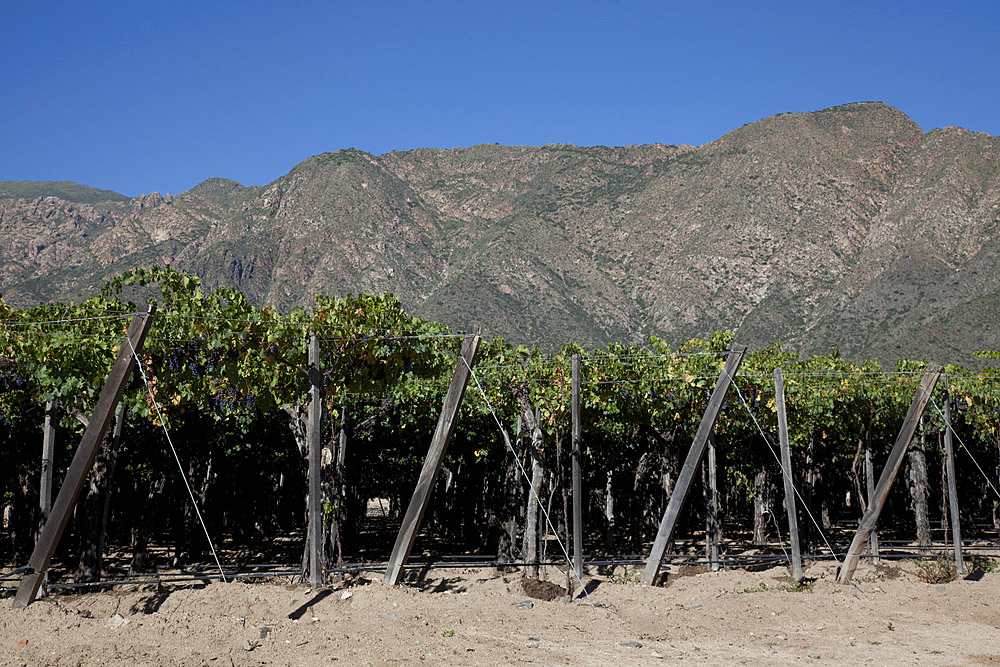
(227, 381)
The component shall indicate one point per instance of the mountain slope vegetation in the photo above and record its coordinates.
(847, 227)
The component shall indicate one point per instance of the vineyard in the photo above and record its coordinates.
(222, 390)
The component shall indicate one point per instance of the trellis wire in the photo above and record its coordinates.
(28, 323)
(966, 449)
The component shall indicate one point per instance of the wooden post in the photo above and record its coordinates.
(577, 475)
(949, 452)
(435, 455)
(870, 490)
(885, 480)
(786, 474)
(683, 485)
(712, 509)
(83, 459)
(314, 423)
(48, 459)
(45, 483)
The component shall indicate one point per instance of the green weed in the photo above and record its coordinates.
(936, 571)
(984, 564)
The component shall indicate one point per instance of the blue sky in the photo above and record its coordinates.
(144, 96)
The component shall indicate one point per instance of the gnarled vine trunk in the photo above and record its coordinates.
(761, 506)
(655, 476)
(143, 518)
(298, 420)
(96, 506)
(918, 487)
(534, 499)
(509, 505)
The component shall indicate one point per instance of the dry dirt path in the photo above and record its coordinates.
(470, 617)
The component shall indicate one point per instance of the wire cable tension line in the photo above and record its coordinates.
(187, 485)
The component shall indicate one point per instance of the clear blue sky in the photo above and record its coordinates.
(144, 96)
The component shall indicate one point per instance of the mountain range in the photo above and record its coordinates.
(848, 227)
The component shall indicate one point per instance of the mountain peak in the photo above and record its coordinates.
(846, 226)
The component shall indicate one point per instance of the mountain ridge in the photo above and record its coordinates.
(846, 226)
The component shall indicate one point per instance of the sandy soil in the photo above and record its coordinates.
(469, 616)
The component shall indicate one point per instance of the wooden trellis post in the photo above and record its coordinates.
(949, 453)
(48, 461)
(683, 485)
(870, 491)
(45, 481)
(711, 507)
(432, 464)
(888, 476)
(786, 474)
(83, 459)
(314, 423)
(577, 475)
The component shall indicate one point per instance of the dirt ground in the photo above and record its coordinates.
(471, 617)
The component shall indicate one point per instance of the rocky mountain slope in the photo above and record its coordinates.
(848, 226)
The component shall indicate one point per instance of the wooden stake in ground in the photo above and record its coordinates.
(45, 483)
(432, 464)
(683, 486)
(712, 508)
(313, 432)
(870, 490)
(949, 453)
(877, 501)
(48, 458)
(83, 459)
(786, 475)
(577, 483)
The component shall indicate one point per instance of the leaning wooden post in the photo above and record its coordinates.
(949, 453)
(577, 475)
(786, 474)
(435, 455)
(683, 485)
(314, 422)
(83, 459)
(885, 480)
